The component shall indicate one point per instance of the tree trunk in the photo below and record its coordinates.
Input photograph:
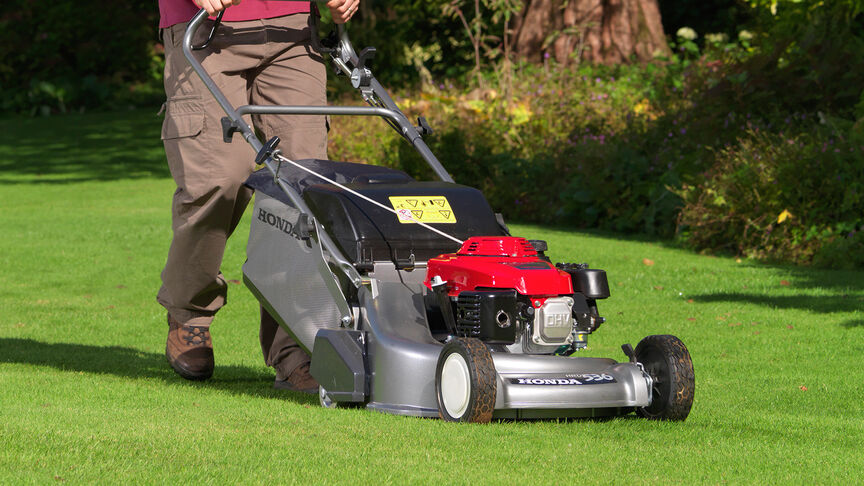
(605, 31)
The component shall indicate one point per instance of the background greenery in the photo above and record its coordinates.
(87, 396)
(82, 54)
(748, 140)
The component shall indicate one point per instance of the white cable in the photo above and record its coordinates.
(411, 217)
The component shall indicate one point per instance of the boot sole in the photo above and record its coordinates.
(186, 373)
(288, 386)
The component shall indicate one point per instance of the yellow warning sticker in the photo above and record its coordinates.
(425, 209)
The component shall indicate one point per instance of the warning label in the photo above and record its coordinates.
(425, 209)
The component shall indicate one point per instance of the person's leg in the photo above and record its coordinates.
(295, 76)
(283, 353)
(210, 197)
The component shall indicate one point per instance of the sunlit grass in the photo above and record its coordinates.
(86, 395)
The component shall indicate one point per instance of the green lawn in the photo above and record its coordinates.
(86, 394)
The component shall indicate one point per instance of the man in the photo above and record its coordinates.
(260, 55)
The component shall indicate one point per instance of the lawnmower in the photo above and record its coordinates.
(412, 298)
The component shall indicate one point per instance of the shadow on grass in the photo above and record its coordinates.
(82, 147)
(844, 289)
(136, 364)
(817, 304)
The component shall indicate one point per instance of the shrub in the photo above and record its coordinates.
(656, 149)
(796, 195)
(589, 146)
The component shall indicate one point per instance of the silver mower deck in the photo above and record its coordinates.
(380, 351)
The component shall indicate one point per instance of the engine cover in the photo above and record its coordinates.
(543, 302)
(485, 263)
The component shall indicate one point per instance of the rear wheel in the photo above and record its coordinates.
(667, 361)
(465, 381)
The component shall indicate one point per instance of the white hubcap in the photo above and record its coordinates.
(455, 385)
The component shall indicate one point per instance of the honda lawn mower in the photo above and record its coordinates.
(412, 297)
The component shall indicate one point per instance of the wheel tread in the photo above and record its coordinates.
(680, 399)
(484, 379)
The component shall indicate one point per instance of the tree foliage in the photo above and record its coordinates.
(64, 54)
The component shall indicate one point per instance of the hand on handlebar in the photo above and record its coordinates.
(341, 10)
(215, 6)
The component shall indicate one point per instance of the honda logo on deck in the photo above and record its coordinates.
(275, 221)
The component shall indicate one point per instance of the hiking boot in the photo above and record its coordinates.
(189, 350)
(299, 380)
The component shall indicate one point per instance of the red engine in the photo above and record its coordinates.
(501, 288)
(499, 263)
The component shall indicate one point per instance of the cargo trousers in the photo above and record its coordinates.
(266, 61)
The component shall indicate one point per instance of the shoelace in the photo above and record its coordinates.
(196, 335)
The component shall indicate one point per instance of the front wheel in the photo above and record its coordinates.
(465, 381)
(667, 361)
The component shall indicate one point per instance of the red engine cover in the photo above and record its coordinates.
(500, 263)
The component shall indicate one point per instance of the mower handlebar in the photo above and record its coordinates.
(347, 62)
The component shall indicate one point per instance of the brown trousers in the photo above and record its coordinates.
(254, 62)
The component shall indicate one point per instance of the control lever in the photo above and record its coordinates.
(365, 54)
(328, 44)
(361, 76)
(212, 33)
(267, 151)
(424, 128)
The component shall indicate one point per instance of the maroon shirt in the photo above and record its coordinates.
(177, 11)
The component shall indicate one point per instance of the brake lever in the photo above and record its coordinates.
(212, 32)
(326, 45)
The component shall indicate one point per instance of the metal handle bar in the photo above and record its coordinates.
(317, 110)
(241, 125)
(325, 240)
(346, 59)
